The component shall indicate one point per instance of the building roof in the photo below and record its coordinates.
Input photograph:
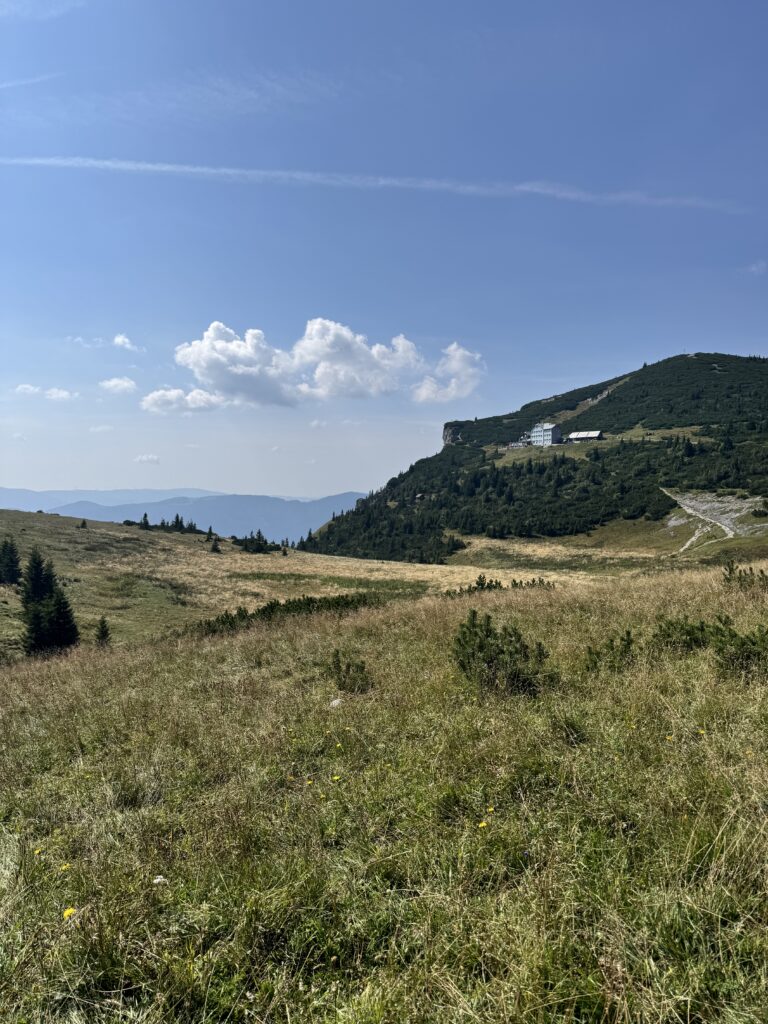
(546, 426)
(585, 435)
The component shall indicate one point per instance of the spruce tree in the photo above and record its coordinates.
(215, 546)
(36, 636)
(10, 567)
(62, 631)
(144, 524)
(103, 633)
(39, 580)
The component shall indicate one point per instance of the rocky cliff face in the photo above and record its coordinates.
(451, 433)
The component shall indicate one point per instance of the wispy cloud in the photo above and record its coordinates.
(124, 342)
(52, 394)
(188, 99)
(151, 460)
(19, 83)
(757, 269)
(37, 9)
(477, 190)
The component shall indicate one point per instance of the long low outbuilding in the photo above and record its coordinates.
(586, 435)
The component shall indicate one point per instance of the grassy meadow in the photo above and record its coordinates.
(212, 830)
(147, 583)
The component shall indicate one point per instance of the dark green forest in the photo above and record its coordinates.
(421, 514)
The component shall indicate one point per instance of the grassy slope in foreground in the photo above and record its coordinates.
(148, 583)
(229, 844)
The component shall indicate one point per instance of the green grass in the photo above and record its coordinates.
(410, 588)
(239, 841)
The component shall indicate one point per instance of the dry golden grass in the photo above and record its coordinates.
(147, 582)
(413, 853)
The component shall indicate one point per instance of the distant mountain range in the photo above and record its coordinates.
(24, 500)
(228, 514)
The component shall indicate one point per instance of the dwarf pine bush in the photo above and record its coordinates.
(744, 579)
(614, 655)
(498, 661)
(349, 674)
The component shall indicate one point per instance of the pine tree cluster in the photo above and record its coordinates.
(48, 614)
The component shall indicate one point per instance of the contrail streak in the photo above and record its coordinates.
(324, 179)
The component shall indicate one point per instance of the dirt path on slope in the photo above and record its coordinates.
(723, 512)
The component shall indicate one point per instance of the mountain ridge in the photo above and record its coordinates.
(696, 421)
(228, 514)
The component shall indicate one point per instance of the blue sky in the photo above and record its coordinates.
(272, 247)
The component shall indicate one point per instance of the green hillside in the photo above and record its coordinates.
(714, 391)
(691, 422)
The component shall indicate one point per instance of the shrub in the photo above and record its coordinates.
(482, 583)
(614, 655)
(348, 674)
(745, 653)
(499, 661)
(744, 579)
(681, 634)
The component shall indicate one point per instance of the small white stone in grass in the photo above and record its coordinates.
(335, 703)
(159, 880)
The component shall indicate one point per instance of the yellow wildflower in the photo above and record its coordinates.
(310, 782)
(69, 912)
(669, 738)
(65, 867)
(336, 778)
(483, 824)
(490, 809)
(38, 851)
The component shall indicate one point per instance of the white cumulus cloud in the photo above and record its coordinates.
(118, 385)
(329, 361)
(456, 376)
(177, 400)
(124, 342)
(60, 395)
(150, 459)
(27, 389)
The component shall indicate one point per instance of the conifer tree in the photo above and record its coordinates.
(62, 629)
(103, 633)
(10, 567)
(209, 535)
(35, 638)
(50, 622)
(39, 580)
(144, 524)
(215, 546)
